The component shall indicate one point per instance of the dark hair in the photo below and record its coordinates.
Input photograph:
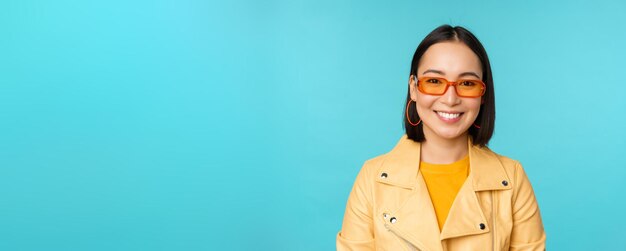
(487, 115)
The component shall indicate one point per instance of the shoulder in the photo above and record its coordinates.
(376, 162)
(509, 164)
(512, 167)
(372, 166)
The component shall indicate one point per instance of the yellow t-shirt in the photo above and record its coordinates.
(443, 182)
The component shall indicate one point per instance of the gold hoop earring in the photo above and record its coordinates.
(407, 115)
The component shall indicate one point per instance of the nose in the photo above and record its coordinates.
(449, 97)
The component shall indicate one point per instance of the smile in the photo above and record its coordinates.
(449, 117)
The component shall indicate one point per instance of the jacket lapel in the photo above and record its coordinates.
(415, 219)
(466, 216)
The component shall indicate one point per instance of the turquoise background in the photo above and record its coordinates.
(241, 125)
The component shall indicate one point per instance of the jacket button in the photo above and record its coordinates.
(393, 220)
(383, 175)
(505, 183)
(482, 226)
(385, 215)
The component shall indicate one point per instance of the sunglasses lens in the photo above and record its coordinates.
(433, 86)
(470, 88)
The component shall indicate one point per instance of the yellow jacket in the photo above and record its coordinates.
(389, 207)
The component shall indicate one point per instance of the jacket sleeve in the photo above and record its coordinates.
(527, 232)
(357, 232)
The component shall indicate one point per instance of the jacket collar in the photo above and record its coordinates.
(402, 165)
(415, 216)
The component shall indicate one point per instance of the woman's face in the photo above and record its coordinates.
(447, 116)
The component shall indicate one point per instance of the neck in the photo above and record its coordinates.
(436, 150)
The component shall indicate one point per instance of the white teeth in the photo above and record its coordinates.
(449, 115)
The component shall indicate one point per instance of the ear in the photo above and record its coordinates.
(413, 87)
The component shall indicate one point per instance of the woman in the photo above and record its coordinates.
(440, 187)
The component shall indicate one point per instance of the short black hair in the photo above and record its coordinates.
(487, 115)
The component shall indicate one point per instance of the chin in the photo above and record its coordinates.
(447, 136)
(450, 134)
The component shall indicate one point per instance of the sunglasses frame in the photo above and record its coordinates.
(450, 83)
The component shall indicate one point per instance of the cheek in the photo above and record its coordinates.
(475, 104)
(424, 103)
(474, 107)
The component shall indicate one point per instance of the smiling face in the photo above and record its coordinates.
(447, 116)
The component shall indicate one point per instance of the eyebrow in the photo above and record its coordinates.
(467, 73)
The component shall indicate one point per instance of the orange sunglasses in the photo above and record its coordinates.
(467, 88)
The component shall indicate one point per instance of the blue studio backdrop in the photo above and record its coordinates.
(241, 125)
